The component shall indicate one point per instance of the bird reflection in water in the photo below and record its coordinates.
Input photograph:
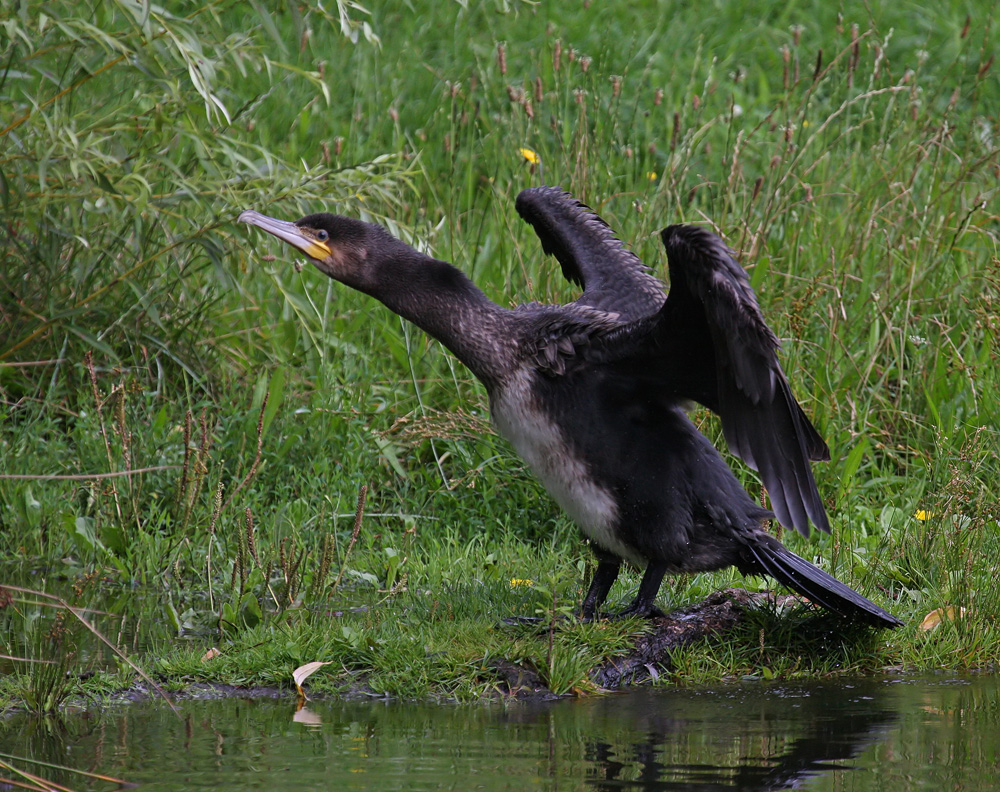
(755, 740)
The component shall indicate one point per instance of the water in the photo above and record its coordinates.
(888, 734)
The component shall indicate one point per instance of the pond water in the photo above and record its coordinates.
(885, 734)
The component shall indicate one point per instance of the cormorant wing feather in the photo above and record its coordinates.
(712, 310)
(613, 278)
(563, 338)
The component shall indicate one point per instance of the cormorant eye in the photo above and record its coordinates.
(322, 236)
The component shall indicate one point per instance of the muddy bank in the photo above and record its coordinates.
(650, 657)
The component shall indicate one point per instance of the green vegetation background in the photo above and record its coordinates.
(848, 151)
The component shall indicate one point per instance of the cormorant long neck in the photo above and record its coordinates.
(442, 301)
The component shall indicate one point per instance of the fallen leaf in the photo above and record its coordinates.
(211, 654)
(303, 672)
(933, 619)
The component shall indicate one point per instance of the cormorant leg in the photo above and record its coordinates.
(644, 602)
(604, 578)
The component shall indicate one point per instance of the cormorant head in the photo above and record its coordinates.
(339, 246)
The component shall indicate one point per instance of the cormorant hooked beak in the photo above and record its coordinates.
(316, 249)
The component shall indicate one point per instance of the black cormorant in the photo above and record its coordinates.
(592, 393)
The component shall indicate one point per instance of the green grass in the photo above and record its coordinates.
(850, 153)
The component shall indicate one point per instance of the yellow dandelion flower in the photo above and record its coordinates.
(516, 582)
(806, 124)
(922, 515)
(530, 156)
(651, 176)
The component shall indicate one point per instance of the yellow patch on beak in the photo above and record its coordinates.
(290, 233)
(316, 250)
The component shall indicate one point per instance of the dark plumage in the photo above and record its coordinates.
(591, 393)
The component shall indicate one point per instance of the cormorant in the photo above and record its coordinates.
(591, 394)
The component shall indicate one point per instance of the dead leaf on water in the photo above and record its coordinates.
(933, 619)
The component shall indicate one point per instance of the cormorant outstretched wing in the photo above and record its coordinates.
(723, 354)
(612, 276)
(706, 341)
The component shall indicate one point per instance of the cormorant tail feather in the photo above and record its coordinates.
(770, 557)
